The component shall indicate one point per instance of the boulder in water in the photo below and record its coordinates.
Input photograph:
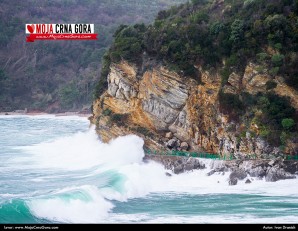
(275, 173)
(211, 173)
(168, 174)
(239, 174)
(248, 181)
(179, 169)
(257, 172)
(233, 181)
(189, 167)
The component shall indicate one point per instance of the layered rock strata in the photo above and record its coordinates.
(173, 112)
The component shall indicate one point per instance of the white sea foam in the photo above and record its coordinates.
(44, 116)
(92, 208)
(85, 152)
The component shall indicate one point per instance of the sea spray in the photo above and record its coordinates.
(78, 205)
(84, 151)
(68, 175)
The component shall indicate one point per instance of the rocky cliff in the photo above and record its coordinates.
(173, 112)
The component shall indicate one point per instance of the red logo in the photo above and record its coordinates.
(30, 28)
(60, 32)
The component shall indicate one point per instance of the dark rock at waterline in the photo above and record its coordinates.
(222, 169)
(233, 181)
(238, 174)
(248, 181)
(189, 167)
(168, 174)
(178, 162)
(211, 173)
(255, 168)
(179, 169)
(257, 172)
(275, 173)
(291, 167)
(194, 163)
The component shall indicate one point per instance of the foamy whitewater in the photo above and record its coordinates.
(56, 170)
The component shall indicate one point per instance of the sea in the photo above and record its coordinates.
(56, 170)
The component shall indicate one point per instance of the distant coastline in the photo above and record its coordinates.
(18, 112)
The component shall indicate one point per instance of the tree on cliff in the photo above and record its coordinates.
(225, 36)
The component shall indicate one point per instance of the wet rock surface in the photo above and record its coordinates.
(271, 170)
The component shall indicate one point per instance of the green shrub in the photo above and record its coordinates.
(260, 69)
(261, 57)
(225, 74)
(230, 103)
(278, 46)
(264, 132)
(288, 124)
(284, 137)
(102, 84)
(119, 119)
(69, 95)
(271, 85)
(248, 99)
(276, 108)
(252, 134)
(263, 102)
(232, 60)
(201, 16)
(277, 60)
(107, 112)
(216, 28)
(128, 43)
(243, 134)
(293, 81)
(144, 131)
(274, 71)
(237, 31)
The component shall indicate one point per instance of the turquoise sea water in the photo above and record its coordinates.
(56, 170)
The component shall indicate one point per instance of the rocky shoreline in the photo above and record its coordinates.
(271, 170)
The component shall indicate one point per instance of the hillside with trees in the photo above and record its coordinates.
(60, 75)
(226, 38)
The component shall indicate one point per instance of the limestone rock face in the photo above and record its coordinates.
(184, 146)
(233, 85)
(163, 95)
(121, 84)
(254, 82)
(174, 112)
